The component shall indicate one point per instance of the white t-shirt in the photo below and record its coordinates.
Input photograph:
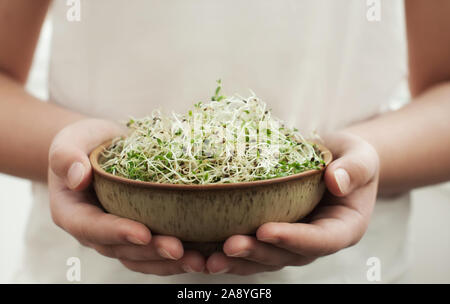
(319, 64)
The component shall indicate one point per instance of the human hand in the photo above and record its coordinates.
(74, 207)
(339, 221)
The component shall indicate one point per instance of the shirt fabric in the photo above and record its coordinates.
(320, 65)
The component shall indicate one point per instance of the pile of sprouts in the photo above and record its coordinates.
(226, 140)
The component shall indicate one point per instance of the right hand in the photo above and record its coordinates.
(75, 208)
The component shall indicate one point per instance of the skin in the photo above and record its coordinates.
(375, 155)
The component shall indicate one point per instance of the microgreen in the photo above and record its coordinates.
(167, 149)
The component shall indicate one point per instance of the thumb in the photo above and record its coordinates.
(356, 166)
(68, 154)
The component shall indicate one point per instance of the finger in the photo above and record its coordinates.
(191, 262)
(71, 211)
(323, 237)
(68, 154)
(168, 247)
(91, 224)
(219, 263)
(249, 248)
(161, 248)
(355, 166)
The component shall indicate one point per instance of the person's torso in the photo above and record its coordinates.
(318, 64)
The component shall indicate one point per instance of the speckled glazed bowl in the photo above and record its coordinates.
(203, 216)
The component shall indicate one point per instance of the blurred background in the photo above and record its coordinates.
(430, 227)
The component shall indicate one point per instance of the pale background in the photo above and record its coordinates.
(430, 228)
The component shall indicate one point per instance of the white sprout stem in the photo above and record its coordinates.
(229, 145)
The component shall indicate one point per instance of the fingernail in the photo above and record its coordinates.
(134, 240)
(220, 271)
(75, 175)
(187, 268)
(240, 254)
(342, 180)
(165, 254)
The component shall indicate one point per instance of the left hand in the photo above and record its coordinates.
(339, 221)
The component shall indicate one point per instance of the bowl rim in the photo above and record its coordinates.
(94, 156)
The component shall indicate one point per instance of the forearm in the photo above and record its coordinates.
(413, 143)
(27, 127)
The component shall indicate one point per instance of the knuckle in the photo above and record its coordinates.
(270, 260)
(370, 161)
(354, 242)
(118, 222)
(358, 236)
(84, 242)
(84, 234)
(106, 251)
(275, 268)
(57, 159)
(55, 218)
(133, 266)
(59, 221)
(118, 254)
(301, 261)
(122, 253)
(332, 248)
(362, 171)
(56, 152)
(327, 248)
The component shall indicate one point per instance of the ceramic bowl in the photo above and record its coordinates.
(203, 216)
